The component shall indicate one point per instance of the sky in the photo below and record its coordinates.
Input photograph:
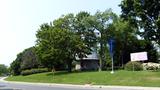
(20, 19)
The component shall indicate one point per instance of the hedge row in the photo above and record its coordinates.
(34, 71)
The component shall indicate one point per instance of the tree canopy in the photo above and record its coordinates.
(3, 69)
(57, 44)
(25, 60)
(145, 15)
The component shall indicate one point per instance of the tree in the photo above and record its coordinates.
(15, 67)
(84, 30)
(126, 42)
(78, 26)
(101, 21)
(145, 15)
(45, 47)
(29, 59)
(3, 69)
(124, 35)
(24, 60)
(57, 44)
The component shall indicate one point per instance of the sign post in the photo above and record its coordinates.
(111, 46)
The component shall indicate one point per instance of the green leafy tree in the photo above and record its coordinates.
(124, 35)
(25, 60)
(85, 32)
(126, 42)
(56, 45)
(145, 15)
(82, 28)
(15, 67)
(3, 69)
(29, 59)
(101, 21)
(77, 25)
(45, 47)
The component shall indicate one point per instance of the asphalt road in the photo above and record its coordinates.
(18, 86)
(13, 86)
(31, 86)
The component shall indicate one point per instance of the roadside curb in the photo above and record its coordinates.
(83, 86)
(2, 79)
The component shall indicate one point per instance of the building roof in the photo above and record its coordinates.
(92, 56)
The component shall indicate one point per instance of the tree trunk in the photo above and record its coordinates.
(69, 65)
(53, 71)
(121, 58)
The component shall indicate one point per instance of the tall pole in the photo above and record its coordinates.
(101, 55)
(112, 58)
(112, 66)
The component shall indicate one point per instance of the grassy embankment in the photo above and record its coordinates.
(123, 78)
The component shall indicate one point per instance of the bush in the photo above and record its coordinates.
(151, 66)
(26, 72)
(136, 66)
(154, 68)
(34, 71)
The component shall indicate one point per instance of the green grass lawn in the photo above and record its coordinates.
(123, 78)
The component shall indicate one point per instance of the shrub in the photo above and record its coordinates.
(151, 66)
(154, 68)
(34, 71)
(136, 66)
(26, 72)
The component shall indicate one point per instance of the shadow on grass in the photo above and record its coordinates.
(66, 72)
(58, 73)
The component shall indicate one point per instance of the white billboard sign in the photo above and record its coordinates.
(139, 56)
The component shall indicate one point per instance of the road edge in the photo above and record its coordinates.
(82, 86)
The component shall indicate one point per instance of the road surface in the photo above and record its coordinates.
(32, 86)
